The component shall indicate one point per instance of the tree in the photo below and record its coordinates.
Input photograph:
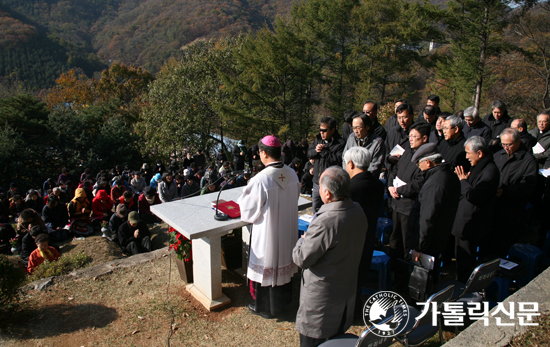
(474, 29)
(180, 112)
(72, 90)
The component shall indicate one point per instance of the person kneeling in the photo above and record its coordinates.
(41, 253)
(134, 235)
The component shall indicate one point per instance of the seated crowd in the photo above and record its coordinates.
(117, 201)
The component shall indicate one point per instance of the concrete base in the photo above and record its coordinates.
(209, 304)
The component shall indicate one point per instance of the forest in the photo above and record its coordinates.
(135, 81)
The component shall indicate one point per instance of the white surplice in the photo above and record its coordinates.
(270, 203)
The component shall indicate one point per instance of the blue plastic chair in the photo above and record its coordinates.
(383, 226)
(381, 264)
(531, 254)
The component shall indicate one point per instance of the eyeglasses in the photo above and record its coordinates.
(507, 145)
(323, 130)
(357, 128)
(403, 117)
(447, 128)
(418, 162)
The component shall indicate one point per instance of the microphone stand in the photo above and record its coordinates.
(220, 215)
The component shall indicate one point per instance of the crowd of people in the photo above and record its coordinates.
(459, 186)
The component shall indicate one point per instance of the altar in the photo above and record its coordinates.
(194, 218)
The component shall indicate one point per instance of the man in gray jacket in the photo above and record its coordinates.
(329, 254)
(364, 136)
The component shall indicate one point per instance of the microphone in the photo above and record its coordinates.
(220, 215)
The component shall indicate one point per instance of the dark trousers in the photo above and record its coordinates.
(399, 235)
(316, 201)
(139, 246)
(465, 254)
(149, 218)
(238, 166)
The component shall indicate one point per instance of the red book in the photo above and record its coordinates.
(230, 208)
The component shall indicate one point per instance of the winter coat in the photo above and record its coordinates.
(409, 173)
(330, 155)
(329, 256)
(137, 186)
(474, 216)
(58, 217)
(544, 140)
(168, 191)
(144, 207)
(434, 212)
(75, 207)
(374, 144)
(99, 207)
(453, 152)
(497, 126)
(126, 233)
(479, 129)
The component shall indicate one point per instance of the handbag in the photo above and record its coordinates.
(415, 277)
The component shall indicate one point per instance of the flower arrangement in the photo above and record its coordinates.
(104, 224)
(181, 245)
(14, 242)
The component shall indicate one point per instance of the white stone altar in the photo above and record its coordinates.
(194, 218)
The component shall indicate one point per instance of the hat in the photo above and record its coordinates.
(121, 211)
(133, 217)
(425, 151)
(149, 192)
(271, 141)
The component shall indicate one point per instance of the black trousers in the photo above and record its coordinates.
(465, 254)
(140, 245)
(399, 235)
(238, 166)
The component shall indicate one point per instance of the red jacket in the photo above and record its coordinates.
(117, 193)
(144, 206)
(35, 259)
(98, 207)
(132, 206)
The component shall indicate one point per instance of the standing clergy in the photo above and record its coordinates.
(434, 211)
(270, 203)
(329, 253)
(474, 217)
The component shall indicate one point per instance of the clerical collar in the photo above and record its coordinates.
(274, 163)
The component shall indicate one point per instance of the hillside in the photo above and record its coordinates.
(39, 39)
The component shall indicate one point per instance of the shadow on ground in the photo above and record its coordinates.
(52, 320)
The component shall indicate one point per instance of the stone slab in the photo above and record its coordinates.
(478, 335)
(194, 217)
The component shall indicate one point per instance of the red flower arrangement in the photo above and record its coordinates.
(181, 245)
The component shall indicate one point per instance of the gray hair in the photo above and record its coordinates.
(360, 156)
(455, 122)
(543, 113)
(434, 158)
(337, 182)
(500, 105)
(56, 189)
(514, 133)
(471, 112)
(477, 143)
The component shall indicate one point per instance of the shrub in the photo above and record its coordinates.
(62, 266)
(11, 278)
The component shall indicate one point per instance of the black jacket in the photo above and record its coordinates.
(453, 152)
(27, 246)
(379, 130)
(306, 183)
(58, 216)
(396, 136)
(368, 191)
(528, 140)
(329, 156)
(518, 178)
(391, 123)
(436, 137)
(479, 129)
(474, 216)
(126, 232)
(434, 211)
(497, 125)
(408, 172)
(544, 140)
(237, 157)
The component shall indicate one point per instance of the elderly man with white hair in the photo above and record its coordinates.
(368, 191)
(474, 125)
(434, 211)
(452, 148)
(541, 150)
(329, 254)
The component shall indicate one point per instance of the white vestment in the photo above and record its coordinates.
(270, 203)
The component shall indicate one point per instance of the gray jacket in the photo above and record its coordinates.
(376, 147)
(137, 186)
(329, 256)
(167, 194)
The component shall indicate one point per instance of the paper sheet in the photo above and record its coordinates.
(397, 182)
(397, 150)
(306, 218)
(538, 149)
(507, 264)
(545, 172)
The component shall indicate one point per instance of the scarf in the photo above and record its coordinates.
(46, 254)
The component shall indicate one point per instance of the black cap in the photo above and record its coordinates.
(425, 151)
